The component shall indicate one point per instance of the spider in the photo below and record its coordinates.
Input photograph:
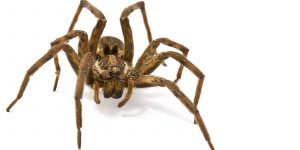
(105, 62)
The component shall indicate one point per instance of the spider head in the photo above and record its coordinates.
(112, 72)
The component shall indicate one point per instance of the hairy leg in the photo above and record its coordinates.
(154, 62)
(82, 49)
(151, 51)
(127, 32)
(83, 72)
(99, 27)
(95, 36)
(50, 54)
(82, 44)
(151, 81)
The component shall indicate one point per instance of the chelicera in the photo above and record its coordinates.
(105, 62)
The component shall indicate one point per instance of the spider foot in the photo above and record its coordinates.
(56, 80)
(97, 100)
(12, 104)
(211, 145)
(122, 103)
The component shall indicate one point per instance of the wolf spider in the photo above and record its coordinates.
(105, 62)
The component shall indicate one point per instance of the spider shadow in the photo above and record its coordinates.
(140, 101)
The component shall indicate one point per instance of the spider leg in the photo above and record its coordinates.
(82, 49)
(148, 54)
(50, 54)
(127, 31)
(95, 36)
(83, 41)
(151, 81)
(83, 72)
(99, 27)
(154, 62)
(151, 51)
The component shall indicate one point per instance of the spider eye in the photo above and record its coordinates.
(106, 50)
(114, 50)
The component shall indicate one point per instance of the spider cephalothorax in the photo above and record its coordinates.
(110, 70)
(105, 62)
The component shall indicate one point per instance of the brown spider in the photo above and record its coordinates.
(105, 62)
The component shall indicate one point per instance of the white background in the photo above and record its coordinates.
(248, 50)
